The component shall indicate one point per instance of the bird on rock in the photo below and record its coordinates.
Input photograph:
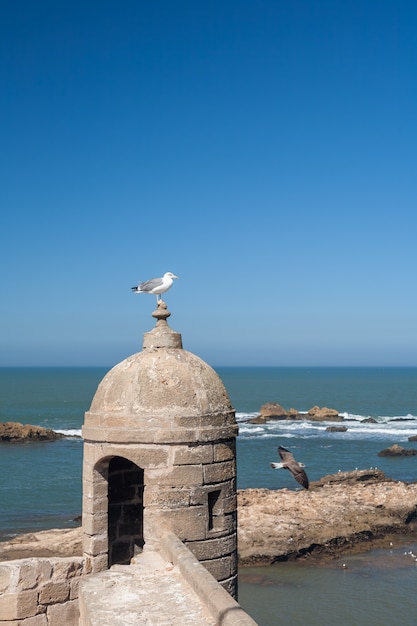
(156, 286)
(289, 463)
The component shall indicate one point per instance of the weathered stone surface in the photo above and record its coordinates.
(323, 414)
(67, 613)
(396, 450)
(58, 542)
(330, 517)
(14, 432)
(273, 410)
(53, 593)
(18, 605)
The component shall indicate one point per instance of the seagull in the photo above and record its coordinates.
(289, 463)
(156, 286)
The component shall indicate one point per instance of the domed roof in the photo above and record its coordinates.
(160, 394)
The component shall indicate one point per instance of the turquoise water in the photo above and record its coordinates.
(377, 588)
(40, 484)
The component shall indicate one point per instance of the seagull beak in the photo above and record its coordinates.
(175, 276)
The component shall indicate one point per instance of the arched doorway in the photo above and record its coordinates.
(125, 510)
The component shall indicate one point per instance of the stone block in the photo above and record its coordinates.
(28, 576)
(186, 475)
(66, 614)
(230, 504)
(18, 605)
(96, 564)
(95, 489)
(170, 496)
(219, 568)
(95, 524)
(95, 544)
(188, 524)
(225, 451)
(211, 420)
(231, 586)
(193, 454)
(219, 472)
(9, 574)
(213, 548)
(90, 504)
(67, 567)
(54, 592)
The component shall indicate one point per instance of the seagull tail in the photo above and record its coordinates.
(275, 465)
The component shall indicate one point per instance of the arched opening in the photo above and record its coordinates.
(125, 512)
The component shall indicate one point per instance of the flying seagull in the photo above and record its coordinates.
(156, 286)
(289, 463)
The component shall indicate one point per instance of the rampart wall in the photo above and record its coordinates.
(40, 591)
(49, 591)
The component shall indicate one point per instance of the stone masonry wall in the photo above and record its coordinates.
(40, 591)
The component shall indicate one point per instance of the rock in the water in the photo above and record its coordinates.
(412, 438)
(324, 414)
(396, 450)
(15, 432)
(273, 410)
(336, 429)
(349, 512)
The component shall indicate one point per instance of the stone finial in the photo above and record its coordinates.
(162, 336)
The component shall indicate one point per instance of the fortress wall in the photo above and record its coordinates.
(40, 591)
(221, 605)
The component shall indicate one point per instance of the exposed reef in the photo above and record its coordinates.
(14, 432)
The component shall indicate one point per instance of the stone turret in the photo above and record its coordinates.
(159, 456)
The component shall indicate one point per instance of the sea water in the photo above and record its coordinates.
(40, 484)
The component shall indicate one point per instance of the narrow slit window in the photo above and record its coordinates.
(213, 507)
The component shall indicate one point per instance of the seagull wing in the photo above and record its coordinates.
(286, 455)
(151, 284)
(299, 474)
(294, 467)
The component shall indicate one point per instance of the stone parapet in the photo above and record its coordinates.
(40, 592)
(222, 606)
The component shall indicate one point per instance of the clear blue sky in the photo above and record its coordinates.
(264, 151)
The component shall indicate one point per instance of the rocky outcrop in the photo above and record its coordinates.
(396, 450)
(15, 432)
(58, 542)
(343, 512)
(412, 438)
(274, 411)
(336, 429)
(323, 414)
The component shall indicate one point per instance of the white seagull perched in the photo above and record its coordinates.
(156, 286)
(289, 463)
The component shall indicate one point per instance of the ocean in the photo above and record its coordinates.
(40, 484)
